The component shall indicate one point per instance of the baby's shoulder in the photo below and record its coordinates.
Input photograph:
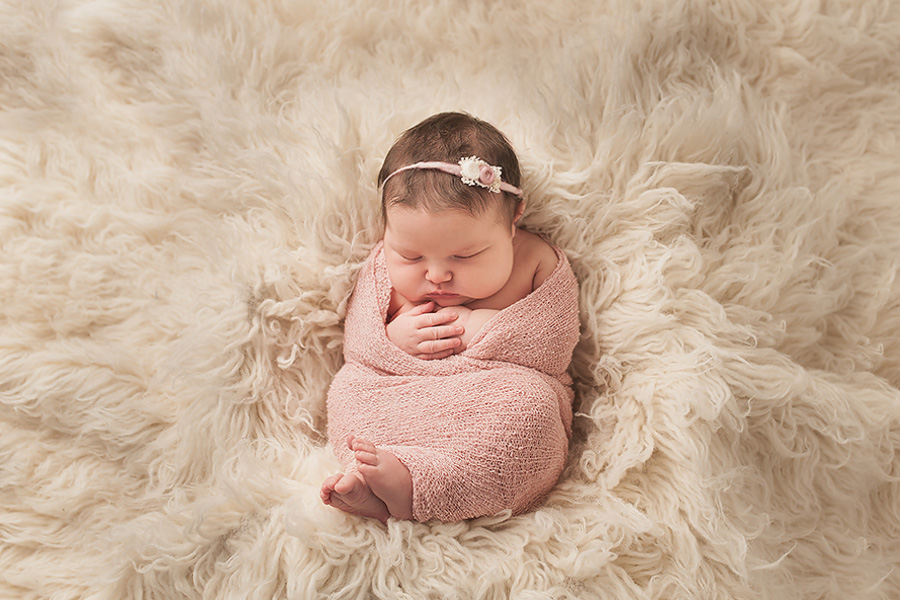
(535, 255)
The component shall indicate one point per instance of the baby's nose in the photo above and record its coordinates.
(438, 275)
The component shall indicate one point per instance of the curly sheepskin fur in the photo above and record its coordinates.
(187, 193)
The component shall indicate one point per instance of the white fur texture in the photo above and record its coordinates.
(187, 190)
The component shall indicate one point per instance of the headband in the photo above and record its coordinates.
(472, 170)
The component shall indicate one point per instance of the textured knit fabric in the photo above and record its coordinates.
(481, 431)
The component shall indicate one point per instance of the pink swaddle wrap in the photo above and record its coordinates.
(481, 431)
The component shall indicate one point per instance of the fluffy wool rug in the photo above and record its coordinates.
(187, 192)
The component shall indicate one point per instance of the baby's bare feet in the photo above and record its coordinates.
(386, 476)
(351, 494)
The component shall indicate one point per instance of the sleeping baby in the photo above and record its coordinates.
(453, 401)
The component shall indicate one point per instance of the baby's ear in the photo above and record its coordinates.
(520, 209)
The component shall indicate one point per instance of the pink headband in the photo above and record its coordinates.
(472, 170)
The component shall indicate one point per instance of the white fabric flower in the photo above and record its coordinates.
(475, 171)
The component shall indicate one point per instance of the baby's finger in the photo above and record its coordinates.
(436, 356)
(443, 332)
(438, 318)
(421, 309)
(438, 346)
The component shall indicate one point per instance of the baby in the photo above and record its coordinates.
(455, 257)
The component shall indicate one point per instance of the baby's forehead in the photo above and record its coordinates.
(491, 210)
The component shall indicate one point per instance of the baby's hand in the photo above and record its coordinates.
(425, 334)
(471, 321)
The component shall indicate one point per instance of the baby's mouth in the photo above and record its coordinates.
(441, 297)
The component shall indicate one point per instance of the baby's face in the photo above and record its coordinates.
(449, 256)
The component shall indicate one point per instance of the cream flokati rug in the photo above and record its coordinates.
(186, 195)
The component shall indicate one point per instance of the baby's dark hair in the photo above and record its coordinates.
(448, 137)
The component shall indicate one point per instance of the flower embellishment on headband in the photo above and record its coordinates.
(471, 170)
(474, 171)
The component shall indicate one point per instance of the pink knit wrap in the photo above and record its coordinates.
(481, 431)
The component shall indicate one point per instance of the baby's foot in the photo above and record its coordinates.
(351, 494)
(386, 476)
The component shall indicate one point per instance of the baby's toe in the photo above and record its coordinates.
(361, 445)
(364, 457)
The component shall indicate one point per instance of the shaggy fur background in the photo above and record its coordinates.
(187, 190)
